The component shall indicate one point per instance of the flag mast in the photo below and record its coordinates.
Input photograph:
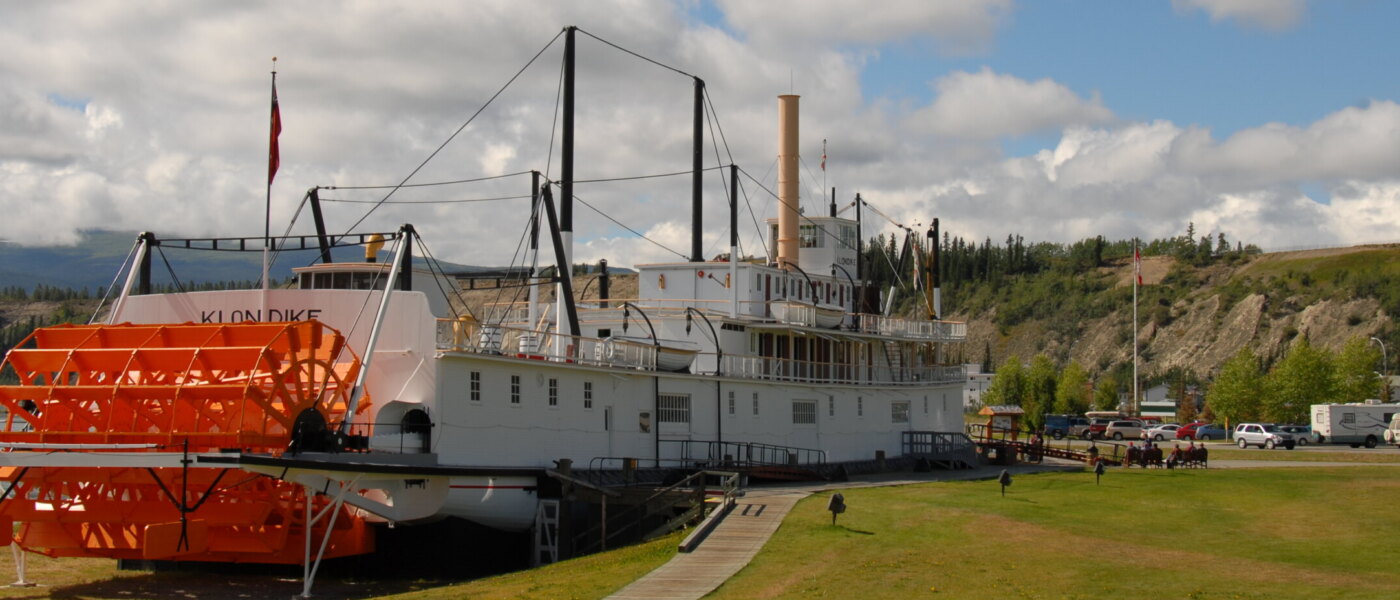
(273, 161)
(1137, 281)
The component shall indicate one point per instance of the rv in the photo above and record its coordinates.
(1354, 424)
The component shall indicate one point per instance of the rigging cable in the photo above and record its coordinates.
(650, 60)
(455, 133)
(113, 286)
(634, 231)
(416, 185)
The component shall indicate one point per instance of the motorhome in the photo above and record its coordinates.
(1354, 424)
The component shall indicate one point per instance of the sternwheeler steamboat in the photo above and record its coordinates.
(289, 425)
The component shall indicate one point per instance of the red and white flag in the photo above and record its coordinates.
(273, 156)
(1137, 264)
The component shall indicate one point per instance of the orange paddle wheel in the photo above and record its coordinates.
(103, 433)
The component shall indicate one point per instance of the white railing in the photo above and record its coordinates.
(943, 331)
(470, 336)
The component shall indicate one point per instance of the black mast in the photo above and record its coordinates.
(698, 174)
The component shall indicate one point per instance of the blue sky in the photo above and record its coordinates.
(1149, 61)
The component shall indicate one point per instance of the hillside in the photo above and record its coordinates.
(1194, 319)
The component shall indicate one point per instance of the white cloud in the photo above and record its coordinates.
(986, 104)
(957, 26)
(1267, 14)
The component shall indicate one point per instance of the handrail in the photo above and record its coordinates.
(747, 454)
(637, 513)
(470, 336)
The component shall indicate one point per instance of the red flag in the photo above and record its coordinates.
(1137, 265)
(273, 157)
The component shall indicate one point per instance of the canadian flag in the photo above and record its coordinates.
(1137, 264)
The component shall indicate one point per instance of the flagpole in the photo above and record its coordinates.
(1137, 279)
(267, 207)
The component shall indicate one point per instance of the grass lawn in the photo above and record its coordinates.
(1360, 456)
(1275, 533)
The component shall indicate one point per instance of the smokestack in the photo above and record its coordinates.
(787, 181)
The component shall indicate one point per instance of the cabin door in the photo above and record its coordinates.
(608, 427)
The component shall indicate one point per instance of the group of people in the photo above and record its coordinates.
(1151, 455)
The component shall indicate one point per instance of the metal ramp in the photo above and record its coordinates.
(949, 450)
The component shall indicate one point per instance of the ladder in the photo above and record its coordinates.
(546, 545)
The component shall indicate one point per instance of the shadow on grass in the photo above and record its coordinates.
(848, 529)
(184, 586)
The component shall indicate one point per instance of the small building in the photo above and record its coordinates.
(977, 384)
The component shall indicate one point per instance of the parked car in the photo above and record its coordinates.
(1059, 426)
(1264, 435)
(1188, 431)
(1096, 429)
(1210, 432)
(1302, 434)
(1392, 432)
(1161, 432)
(1126, 428)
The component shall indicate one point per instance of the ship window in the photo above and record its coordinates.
(673, 408)
(755, 404)
(553, 392)
(731, 402)
(340, 281)
(830, 406)
(304, 282)
(323, 281)
(588, 394)
(515, 389)
(605, 333)
(804, 412)
(899, 412)
(848, 237)
(476, 386)
(809, 236)
(860, 406)
(925, 404)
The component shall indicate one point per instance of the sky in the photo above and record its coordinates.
(1274, 122)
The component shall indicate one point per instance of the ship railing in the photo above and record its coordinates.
(942, 331)
(461, 335)
(803, 371)
(732, 455)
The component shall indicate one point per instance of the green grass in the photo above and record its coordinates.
(1230, 453)
(1275, 533)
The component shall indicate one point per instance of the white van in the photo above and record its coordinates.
(1354, 424)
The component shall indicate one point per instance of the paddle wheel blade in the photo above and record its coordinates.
(102, 431)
